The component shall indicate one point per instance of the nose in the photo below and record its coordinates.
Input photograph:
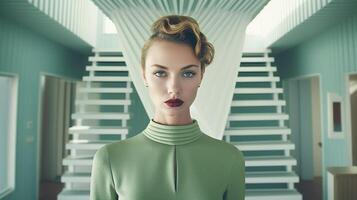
(174, 86)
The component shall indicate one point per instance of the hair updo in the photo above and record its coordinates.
(180, 29)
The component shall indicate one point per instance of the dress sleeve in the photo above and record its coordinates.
(236, 185)
(102, 184)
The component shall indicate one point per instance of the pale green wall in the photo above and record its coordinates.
(332, 53)
(27, 54)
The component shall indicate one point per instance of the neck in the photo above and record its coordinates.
(173, 120)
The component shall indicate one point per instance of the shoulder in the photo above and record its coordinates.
(221, 147)
(229, 154)
(119, 147)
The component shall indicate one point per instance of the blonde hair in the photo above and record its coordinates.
(180, 29)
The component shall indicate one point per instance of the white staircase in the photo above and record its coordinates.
(256, 125)
(102, 113)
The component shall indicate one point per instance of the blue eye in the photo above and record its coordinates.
(187, 74)
(159, 72)
(191, 74)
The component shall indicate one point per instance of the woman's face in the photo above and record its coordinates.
(172, 71)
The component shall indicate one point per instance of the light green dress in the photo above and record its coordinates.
(168, 162)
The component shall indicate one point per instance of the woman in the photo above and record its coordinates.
(171, 158)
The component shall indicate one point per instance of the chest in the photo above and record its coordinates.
(170, 173)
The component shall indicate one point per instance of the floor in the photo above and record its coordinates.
(49, 190)
(310, 189)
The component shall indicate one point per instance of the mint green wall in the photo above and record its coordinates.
(27, 54)
(332, 53)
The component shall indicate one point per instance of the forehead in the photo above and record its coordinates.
(170, 54)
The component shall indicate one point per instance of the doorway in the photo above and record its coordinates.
(352, 91)
(303, 96)
(56, 105)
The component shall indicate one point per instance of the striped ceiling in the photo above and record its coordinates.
(69, 23)
(222, 21)
(310, 18)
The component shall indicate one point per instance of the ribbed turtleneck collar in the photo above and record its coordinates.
(173, 134)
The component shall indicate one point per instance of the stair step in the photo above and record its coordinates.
(256, 59)
(99, 130)
(101, 115)
(257, 117)
(256, 51)
(256, 161)
(264, 145)
(75, 177)
(106, 50)
(77, 160)
(67, 194)
(271, 177)
(107, 78)
(120, 102)
(106, 59)
(272, 194)
(105, 90)
(244, 103)
(247, 131)
(257, 90)
(87, 145)
(256, 69)
(107, 69)
(258, 79)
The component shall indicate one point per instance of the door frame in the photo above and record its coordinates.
(348, 118)
(42, 76)
(309, 76)
(13, 133)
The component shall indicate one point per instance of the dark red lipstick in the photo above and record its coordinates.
(174, 102)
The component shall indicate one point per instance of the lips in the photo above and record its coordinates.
(174, 102)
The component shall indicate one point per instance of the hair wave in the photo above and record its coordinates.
(180, 29)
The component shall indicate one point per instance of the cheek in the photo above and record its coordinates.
(190, 90)
(157, 88)
(157, 84)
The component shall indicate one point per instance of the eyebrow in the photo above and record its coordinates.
(160, 66)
